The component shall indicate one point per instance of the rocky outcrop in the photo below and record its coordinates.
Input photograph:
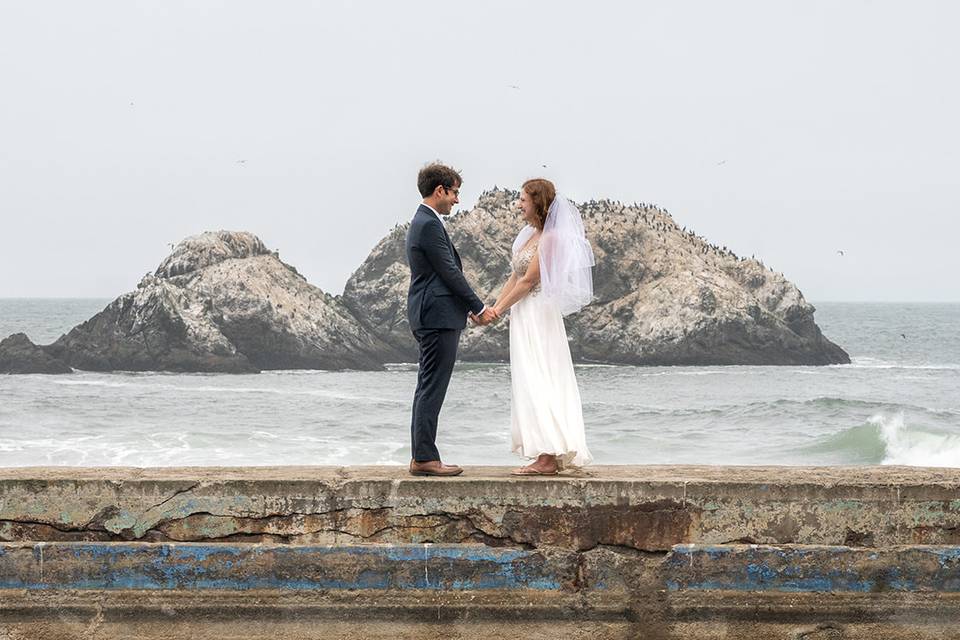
(663, 294)
(19, 355)
(222, 302)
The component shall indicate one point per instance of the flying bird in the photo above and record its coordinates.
(513, 86)
(721, 162)
(241, 161)
(903, 335)
(840, 251)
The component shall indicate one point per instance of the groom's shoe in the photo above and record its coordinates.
(434, 468)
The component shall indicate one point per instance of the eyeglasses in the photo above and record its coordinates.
(456, 192)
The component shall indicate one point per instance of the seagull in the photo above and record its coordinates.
(840, 251)
(544, 166)
(241, 161)
(721, 162)
(513, 86)
(903, 335)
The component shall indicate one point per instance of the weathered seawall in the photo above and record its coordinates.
(370, 552)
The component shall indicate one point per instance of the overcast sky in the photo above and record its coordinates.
(788, 130)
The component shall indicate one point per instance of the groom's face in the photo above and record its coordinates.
(448, 196)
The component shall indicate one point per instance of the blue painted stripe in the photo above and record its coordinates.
(68, 565)
(813, 569)
(195, 566)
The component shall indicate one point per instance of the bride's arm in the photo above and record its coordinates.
(521, 285)
(508, 285)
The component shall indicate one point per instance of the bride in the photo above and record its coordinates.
(551, 278)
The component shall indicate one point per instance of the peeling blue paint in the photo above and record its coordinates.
(821, 569)
(240, 567)
(946, 555)
(190, 566)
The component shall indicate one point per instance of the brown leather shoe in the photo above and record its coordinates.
(434, 468)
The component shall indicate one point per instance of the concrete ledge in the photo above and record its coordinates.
(643, 508)
(619, 552)
(293, 615)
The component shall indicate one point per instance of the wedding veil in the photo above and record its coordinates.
(566, 257)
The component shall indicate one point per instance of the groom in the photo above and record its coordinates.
(437, 305)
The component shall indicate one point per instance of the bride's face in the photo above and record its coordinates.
(525, 204)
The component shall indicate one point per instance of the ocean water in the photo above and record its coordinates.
(897, 403)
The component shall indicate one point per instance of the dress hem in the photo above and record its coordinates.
(564, 460)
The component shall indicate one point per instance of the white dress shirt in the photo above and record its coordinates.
(439, 217)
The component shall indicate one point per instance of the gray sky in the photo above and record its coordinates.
(789, 130)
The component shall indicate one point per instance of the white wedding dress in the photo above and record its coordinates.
(545, 411)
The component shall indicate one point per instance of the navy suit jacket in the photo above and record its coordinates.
(439, 296)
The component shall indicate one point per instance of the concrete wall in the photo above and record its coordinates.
(619, 552)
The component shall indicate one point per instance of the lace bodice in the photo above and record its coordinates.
(521, 261)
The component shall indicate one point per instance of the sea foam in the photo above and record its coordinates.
(914, 447)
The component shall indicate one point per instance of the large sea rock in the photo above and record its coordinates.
(664, 296)
(222, 302)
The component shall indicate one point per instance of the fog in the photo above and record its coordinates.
(790, 131)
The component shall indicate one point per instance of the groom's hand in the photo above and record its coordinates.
(489, 315)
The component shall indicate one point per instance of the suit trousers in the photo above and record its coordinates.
(438, 352)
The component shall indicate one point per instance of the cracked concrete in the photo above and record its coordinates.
(643, 508)
(624, 552)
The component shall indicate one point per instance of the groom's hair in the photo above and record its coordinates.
(437, 175)
(541, 192)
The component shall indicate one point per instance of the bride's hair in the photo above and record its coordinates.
(541, 192)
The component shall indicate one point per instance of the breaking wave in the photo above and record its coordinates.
(888, 439)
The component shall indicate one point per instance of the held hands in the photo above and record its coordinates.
(488, 316)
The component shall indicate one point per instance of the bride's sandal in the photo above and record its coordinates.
(530, 471)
